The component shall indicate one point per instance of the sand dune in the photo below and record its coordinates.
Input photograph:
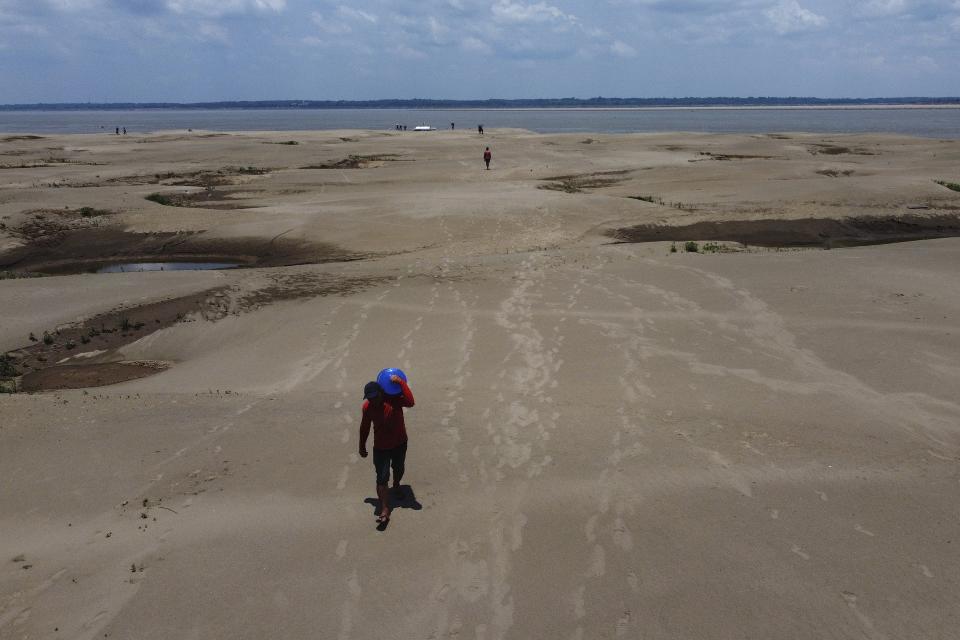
(610, 439)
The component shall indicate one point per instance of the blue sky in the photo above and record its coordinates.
(202, 50)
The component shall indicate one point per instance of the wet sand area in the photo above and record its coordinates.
(809, 232)
(614, 435)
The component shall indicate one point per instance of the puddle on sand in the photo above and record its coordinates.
(128, 267)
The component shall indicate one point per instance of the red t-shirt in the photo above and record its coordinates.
(389, 431)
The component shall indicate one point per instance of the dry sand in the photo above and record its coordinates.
(610, 439)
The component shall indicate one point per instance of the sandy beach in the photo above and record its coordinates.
(668, 386)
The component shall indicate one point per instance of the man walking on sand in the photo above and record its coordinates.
(486, 157)
(385, 413)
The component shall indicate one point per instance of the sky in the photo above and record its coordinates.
(208, 50)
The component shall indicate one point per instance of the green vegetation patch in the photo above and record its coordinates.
(953, 186)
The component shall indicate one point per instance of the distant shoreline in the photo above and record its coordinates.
(566, 104)
(863, 107)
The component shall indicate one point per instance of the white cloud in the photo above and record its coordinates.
(217, 8)
(409, 52)
(73, 5)
(883, 7)
(926, 64)
(356, 14)
(789, 17)
(622, 49)
(330, 26)
(509, 11)
(475, 45)
(212, 32)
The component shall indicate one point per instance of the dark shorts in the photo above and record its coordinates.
(385, 459)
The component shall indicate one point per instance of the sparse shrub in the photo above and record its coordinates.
(70, 344)
(953, 186)
(7, 368)
(16, 275)
(33, 338)
(673, 247)
(47, 338)
(89, 212)
(691, 247)
(85, 339)
(125, 324)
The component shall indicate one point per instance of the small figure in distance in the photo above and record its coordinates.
(486, 157)
(453, 126)
(480, 129)
(118, 130)
(124, 131)
(385, 413)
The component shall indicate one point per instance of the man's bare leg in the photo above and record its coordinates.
(384, 495)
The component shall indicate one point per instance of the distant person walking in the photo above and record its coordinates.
(453, 126)
(480, 129)
(385, 413)
(118, 130)
(487, 156)
(124, 131)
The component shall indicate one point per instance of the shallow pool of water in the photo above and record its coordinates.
(127, 267)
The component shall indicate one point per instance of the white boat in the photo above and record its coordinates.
(424, 127)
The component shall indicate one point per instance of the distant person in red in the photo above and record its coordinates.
(486, 157)
(385, 413)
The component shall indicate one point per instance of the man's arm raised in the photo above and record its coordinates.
(407, 394)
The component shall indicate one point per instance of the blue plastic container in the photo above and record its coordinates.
(390, 388)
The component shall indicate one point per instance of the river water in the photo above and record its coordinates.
(926, 122)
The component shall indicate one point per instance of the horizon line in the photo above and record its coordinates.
(449, 102)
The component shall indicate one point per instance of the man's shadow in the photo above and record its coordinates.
(402, 498)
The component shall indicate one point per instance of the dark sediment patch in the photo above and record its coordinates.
(48, 362)
(837, 150)
(805, 232)
(18, 138)
(836, 173)
(88, 375)
(731, 156)
(357, 162)
(90, 249)
(577, 183)
(303, 285)
(39, 363)
(222, 199)
(200, 178)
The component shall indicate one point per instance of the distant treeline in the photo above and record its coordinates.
(494, 103)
